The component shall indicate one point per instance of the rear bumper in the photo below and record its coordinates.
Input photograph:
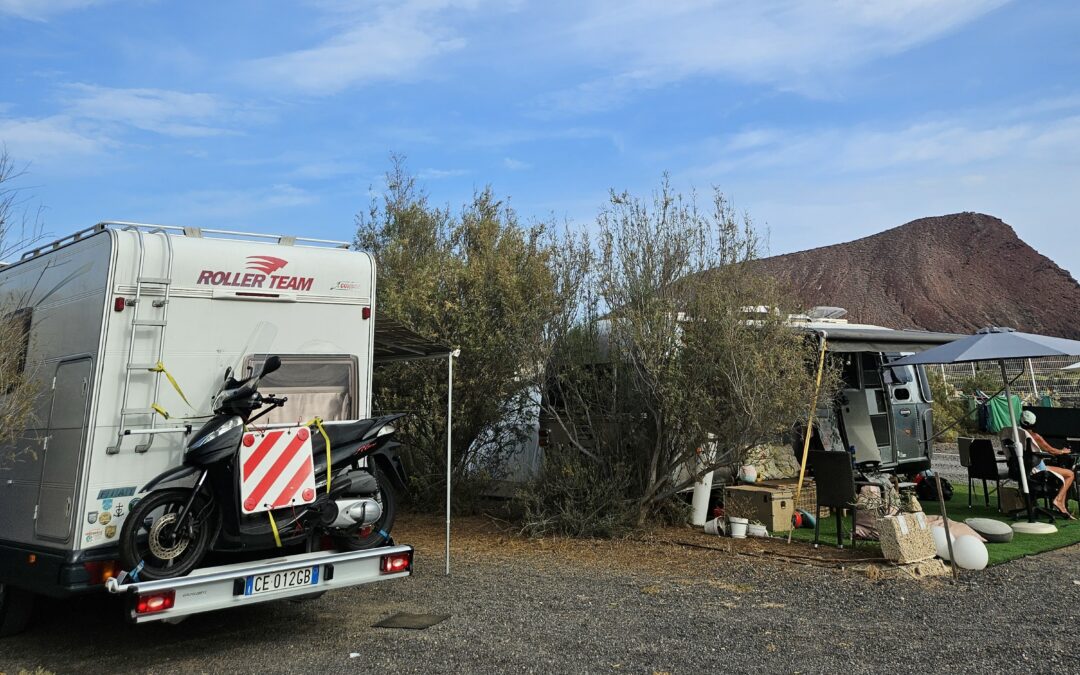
(222, 587)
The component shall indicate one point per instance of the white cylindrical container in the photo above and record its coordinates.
(737, 527)
(699, 505)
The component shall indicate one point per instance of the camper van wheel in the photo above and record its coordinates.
(16, 606)
(378, 533)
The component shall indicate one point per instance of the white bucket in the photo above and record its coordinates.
(737, 527)
(715, 526)
(757, 530)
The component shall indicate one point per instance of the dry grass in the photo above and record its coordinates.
(676, 552)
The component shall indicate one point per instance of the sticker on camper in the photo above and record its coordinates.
(277, 469)
(106, 504)
(113, 493)
(91, 517)
(104, 517)
(110, 531)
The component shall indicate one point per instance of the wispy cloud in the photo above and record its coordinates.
(436, 174)
(956, 142)
(515, 164)
(39, 10)
(161, 111)
(216, 206)
(49, 139)
(791, 44)
(370, 42)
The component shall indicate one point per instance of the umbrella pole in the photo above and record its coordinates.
(1016, 445)
(945, 524)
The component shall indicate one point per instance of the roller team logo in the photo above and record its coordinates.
(263, 273)
(276, 469)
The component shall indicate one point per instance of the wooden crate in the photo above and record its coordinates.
(906, 538)
(769, 505)
(807, 499)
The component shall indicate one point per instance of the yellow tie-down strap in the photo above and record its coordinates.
(160, 368)
(317, 421)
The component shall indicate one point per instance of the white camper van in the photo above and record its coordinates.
(116, 314)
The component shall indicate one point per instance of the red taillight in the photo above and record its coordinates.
(396, 562)
(366, 313)
(155, 602)
(118, 304)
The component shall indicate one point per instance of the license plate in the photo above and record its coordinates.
(258, 584)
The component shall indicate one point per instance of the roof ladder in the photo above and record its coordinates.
(157, 324)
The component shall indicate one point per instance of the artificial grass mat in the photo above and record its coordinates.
(1021, 545)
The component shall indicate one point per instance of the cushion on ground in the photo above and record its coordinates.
(993, 531)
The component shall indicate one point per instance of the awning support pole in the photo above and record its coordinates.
(449, 429)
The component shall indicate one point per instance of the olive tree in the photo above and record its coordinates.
(479, 280)
(681, 361)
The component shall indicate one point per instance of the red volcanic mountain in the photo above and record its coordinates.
(954, 273)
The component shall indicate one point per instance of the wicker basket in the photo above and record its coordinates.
(906, 538)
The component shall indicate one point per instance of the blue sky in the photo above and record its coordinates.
(825, 120)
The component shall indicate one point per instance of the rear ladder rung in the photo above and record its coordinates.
(160, 281)
(138, 411)
(149, 322)
(141, 366)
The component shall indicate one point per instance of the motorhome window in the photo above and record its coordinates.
(17, 328)
(322, 385)
(870, 373)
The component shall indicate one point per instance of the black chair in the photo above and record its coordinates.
(982, 463)
(1043, 484)
(834, 480)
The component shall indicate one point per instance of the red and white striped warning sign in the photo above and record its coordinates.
(276, 469)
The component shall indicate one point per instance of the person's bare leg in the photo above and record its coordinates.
(1067, 478)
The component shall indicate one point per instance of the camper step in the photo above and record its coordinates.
(160, 281)
(149, 322)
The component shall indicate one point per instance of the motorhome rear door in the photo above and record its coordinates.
(63, 446)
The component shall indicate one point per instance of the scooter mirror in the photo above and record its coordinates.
(228, 374)
(271, 364)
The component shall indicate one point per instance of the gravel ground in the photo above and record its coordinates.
(579, 606)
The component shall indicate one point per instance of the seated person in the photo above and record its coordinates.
(1027, 431)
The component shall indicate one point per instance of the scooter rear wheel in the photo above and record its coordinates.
(150, 535)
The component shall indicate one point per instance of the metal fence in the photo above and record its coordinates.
(1039, 378)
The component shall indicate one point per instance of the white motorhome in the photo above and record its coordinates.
(112, 312)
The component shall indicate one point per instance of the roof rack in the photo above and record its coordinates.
(197, 232)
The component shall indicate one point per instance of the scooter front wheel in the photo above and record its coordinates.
(153, 537)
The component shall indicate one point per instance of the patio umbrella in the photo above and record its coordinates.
(997, 344)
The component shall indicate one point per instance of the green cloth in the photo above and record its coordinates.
(998, 417)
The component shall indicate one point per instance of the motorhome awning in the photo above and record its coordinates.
(395, 342)
(846, 339)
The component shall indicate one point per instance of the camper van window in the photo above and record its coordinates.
(320, 385)
(924, 385)
(19, 322)
(870, 373)
(849, 370)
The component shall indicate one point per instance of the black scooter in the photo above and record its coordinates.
(170, 529)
